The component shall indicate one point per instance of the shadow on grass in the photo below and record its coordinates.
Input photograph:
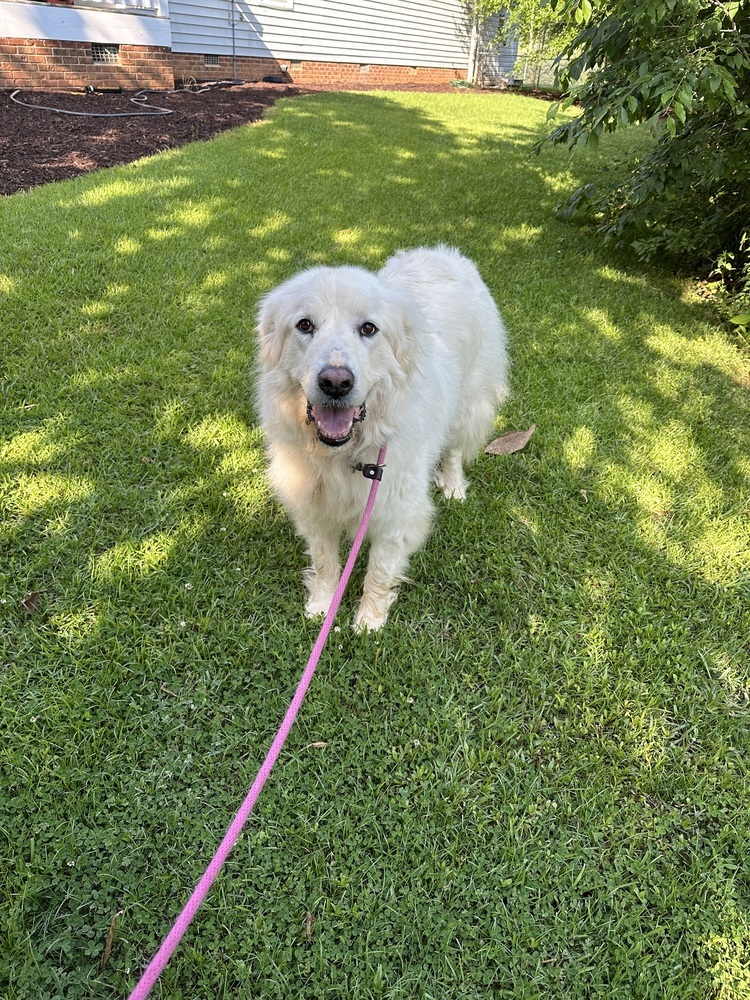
(590, 598)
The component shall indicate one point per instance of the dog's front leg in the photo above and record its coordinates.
(322, 578)
(391, 548)
(381, 590)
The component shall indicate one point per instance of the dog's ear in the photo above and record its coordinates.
(270, 331)
(403, 319)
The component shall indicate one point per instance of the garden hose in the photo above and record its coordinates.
(140, 98)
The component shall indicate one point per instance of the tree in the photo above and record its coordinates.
(542, 35)
(681, 67)
(542, 32)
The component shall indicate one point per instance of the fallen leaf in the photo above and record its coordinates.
(30, 603)
(110, 937)
(309, 921)
(511, 442)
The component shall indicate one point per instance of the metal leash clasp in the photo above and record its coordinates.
(369, 470)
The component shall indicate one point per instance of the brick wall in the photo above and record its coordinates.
(187, 67)
(373, 74)
(41, 64)
(192, 67)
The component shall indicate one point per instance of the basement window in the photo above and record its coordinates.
(210, 60)
(105, 53)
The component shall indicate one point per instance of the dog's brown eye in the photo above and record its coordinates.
(368, 329)
(305, 326)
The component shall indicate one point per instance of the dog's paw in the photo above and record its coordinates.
(369, 622)
(372, 614)
(320, 593)
(454, 487)
(456, 492)
(317, 608)
(452, 490)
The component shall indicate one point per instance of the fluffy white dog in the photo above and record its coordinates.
(414, 357)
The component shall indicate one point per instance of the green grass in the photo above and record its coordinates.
(535, 782)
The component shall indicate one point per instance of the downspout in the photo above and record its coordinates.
(233, 18)
(471, 71)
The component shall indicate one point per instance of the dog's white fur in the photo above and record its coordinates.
(431, 377)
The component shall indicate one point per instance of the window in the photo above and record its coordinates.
(210, 60)
(105, 53)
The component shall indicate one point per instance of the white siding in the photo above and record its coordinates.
(386, 32)
(496, 57)
(75, 24)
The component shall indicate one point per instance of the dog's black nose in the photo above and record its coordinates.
(336, 381)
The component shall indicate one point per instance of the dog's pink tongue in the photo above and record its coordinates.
(333, 423)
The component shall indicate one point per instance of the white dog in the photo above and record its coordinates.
(413, 357)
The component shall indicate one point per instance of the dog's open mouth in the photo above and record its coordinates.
(334, 424)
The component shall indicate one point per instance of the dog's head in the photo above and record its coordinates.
(337, 334)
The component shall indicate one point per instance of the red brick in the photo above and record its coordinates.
(44, 63)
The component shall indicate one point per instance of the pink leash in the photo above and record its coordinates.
(157, 964)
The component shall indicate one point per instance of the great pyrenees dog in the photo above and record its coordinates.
(413, 357)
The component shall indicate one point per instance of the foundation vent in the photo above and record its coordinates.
(105, 53)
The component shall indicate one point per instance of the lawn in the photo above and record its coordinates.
(535, 782)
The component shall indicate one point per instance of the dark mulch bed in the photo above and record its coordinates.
(37, 146)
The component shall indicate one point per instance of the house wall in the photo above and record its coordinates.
(380, 42)
(40, 64)
(190, 67)
(48, 47)
(324, 40)
(496, 54)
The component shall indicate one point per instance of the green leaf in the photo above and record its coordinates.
(682, 66)
(742, 320)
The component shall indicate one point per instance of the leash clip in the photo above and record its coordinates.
(370, 470)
